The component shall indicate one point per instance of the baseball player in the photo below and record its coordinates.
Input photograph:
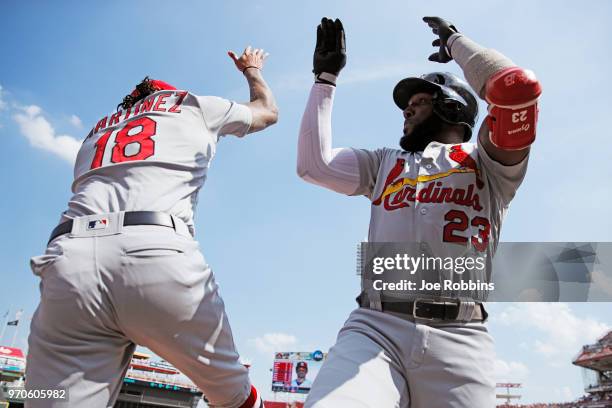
(301, 369)
(438, 189)
(122, 267)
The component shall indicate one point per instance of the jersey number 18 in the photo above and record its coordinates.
(138, 131)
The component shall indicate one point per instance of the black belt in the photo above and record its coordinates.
(130, 218)
(432, 310)
(428, 309)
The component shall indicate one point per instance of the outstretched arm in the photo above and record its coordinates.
(317, 162)
(510, 91)
(262, 105)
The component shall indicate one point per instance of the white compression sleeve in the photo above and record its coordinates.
(317, 162)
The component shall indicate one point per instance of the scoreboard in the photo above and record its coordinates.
(294, 372)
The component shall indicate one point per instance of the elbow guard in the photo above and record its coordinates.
(512, 94)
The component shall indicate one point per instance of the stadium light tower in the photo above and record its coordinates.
(507, 396)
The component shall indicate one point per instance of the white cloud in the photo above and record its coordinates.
(560, 333)
(2, 102)
(509, 371)
(41, 134)
(76, 121)
(566, 393)
(272, 342)
(563, 394)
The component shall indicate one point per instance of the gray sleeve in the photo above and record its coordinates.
(478, 63)
(504, 180)
(369, 163)
(225, 117)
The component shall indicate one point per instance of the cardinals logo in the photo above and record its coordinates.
(393, 183)
(466, 161)
(400, 192)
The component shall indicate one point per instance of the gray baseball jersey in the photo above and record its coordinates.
(153, 156)
(445, 194)
(106, 287)
(448, 194)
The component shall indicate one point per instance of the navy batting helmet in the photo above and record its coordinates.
(453, 100)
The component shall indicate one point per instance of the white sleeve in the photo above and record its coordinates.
(317, 162)
(225, 117)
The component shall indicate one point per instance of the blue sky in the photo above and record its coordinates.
(283, 250)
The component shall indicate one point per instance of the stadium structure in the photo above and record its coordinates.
(277, 404)
(152, 383)
(596, 363)
(508, 396)
(147, 384)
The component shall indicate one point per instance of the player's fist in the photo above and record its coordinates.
(250, 58)
(443, 29)
(330, 51)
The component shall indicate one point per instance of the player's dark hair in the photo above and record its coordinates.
(144, 89)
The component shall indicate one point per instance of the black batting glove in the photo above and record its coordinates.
(443, 29)
(330, 51)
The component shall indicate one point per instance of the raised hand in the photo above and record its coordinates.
(330, 51)
(443, 29)
(250, 58)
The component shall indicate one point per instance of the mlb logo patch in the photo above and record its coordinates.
(97, 224)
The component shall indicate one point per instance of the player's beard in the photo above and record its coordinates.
(423, 133)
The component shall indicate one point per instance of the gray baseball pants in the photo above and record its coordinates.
(103, 292)
(384, 361)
